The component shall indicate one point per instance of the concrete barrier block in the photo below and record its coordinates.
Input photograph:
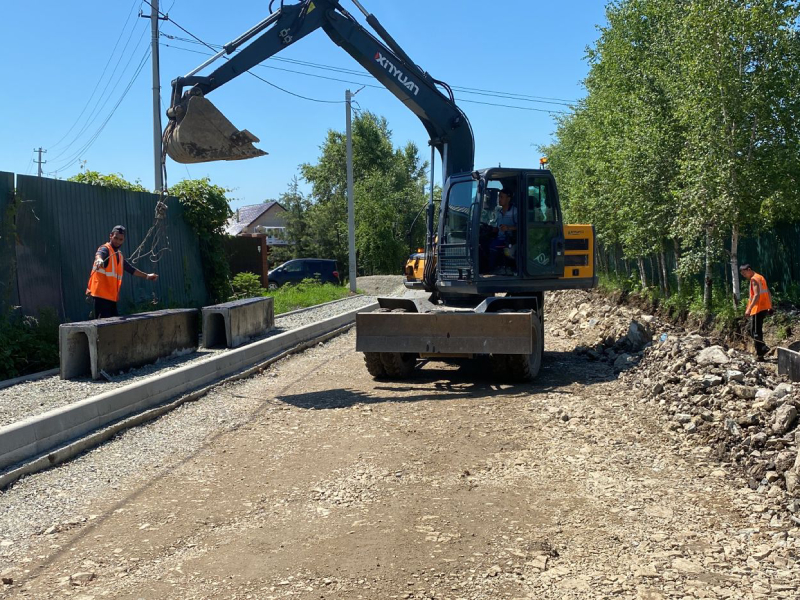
(121, 343)
(789, 363)
(43, 433)
(232, 324)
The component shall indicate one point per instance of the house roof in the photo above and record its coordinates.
(245, 215)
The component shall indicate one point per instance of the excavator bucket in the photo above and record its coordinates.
(203, 134)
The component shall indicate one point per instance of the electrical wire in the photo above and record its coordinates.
(517, 97)
(348, 71)
(31, 162)
(100, 79)
(73, 158)
(210, 47)
(377, 87)
(98, 108)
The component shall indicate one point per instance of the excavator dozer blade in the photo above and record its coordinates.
(204, 134)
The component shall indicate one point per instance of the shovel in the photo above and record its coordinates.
(201, 133)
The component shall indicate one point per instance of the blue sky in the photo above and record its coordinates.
(521, 47)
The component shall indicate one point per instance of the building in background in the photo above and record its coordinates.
(267, 219)
(253, 230)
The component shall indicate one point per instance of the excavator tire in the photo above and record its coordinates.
(521, 367)
(499, 365)
(375, 365)
(398, 365)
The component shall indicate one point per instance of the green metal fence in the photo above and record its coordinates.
(59, 226)
(775, 254)
(8, 279)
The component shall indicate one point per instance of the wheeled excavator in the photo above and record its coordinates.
(486, 294)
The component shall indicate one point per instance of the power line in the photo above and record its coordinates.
(100, 79)
(73, 158)
(103, 98)
(347, 71)
(378, 87)
(167, 17)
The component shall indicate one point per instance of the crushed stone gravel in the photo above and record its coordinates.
(33, 398)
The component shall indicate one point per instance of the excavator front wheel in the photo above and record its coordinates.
(375, 365)
(398, 365)
(521, 367)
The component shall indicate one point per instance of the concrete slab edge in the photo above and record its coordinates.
(25, 378)
(69, 451)
(38, 435)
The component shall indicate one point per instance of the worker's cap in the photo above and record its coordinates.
(744, 267)
(120, 229)
(507, 191)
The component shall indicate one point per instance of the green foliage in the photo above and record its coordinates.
(28, 345)
(688, 134)
(246, 285)
(307, 293)
(389, 190)
(113, 180)
(206, 210)
(297, 208)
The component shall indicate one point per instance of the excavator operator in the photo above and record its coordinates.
(506, 228)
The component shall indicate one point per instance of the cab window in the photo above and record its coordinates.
(541, 201)
(457, 217)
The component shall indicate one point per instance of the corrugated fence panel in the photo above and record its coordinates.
(76, 219)
(775, 254)
(38, 247)
(8, 275)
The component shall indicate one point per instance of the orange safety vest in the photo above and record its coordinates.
(105, 283)
(764, 300)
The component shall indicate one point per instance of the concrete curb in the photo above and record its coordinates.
(39, 436)
(25, 378)
(324, 304)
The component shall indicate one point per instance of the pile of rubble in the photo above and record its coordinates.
(741, 408)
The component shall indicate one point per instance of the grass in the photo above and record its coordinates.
(305, 294)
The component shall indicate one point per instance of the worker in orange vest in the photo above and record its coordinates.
(759, 306)
(106, 278)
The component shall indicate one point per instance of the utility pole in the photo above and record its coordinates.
(40, 162)
(351, 213)
(154, 18)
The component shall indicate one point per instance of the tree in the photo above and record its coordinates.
(389, 189)
(688, 135)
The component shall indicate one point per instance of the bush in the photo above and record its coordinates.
(206, 211)
(246, 285)
(28, 345)
(113, 180)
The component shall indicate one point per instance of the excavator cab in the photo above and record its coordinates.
(532, 254)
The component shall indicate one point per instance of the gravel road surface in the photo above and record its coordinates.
(311, 480)
(36, 397)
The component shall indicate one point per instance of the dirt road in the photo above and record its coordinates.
(445, 486)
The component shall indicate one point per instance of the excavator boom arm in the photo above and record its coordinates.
(448, 127)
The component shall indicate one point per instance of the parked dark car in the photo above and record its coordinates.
(295, 271)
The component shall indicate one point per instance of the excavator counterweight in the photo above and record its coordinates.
(201, 133)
